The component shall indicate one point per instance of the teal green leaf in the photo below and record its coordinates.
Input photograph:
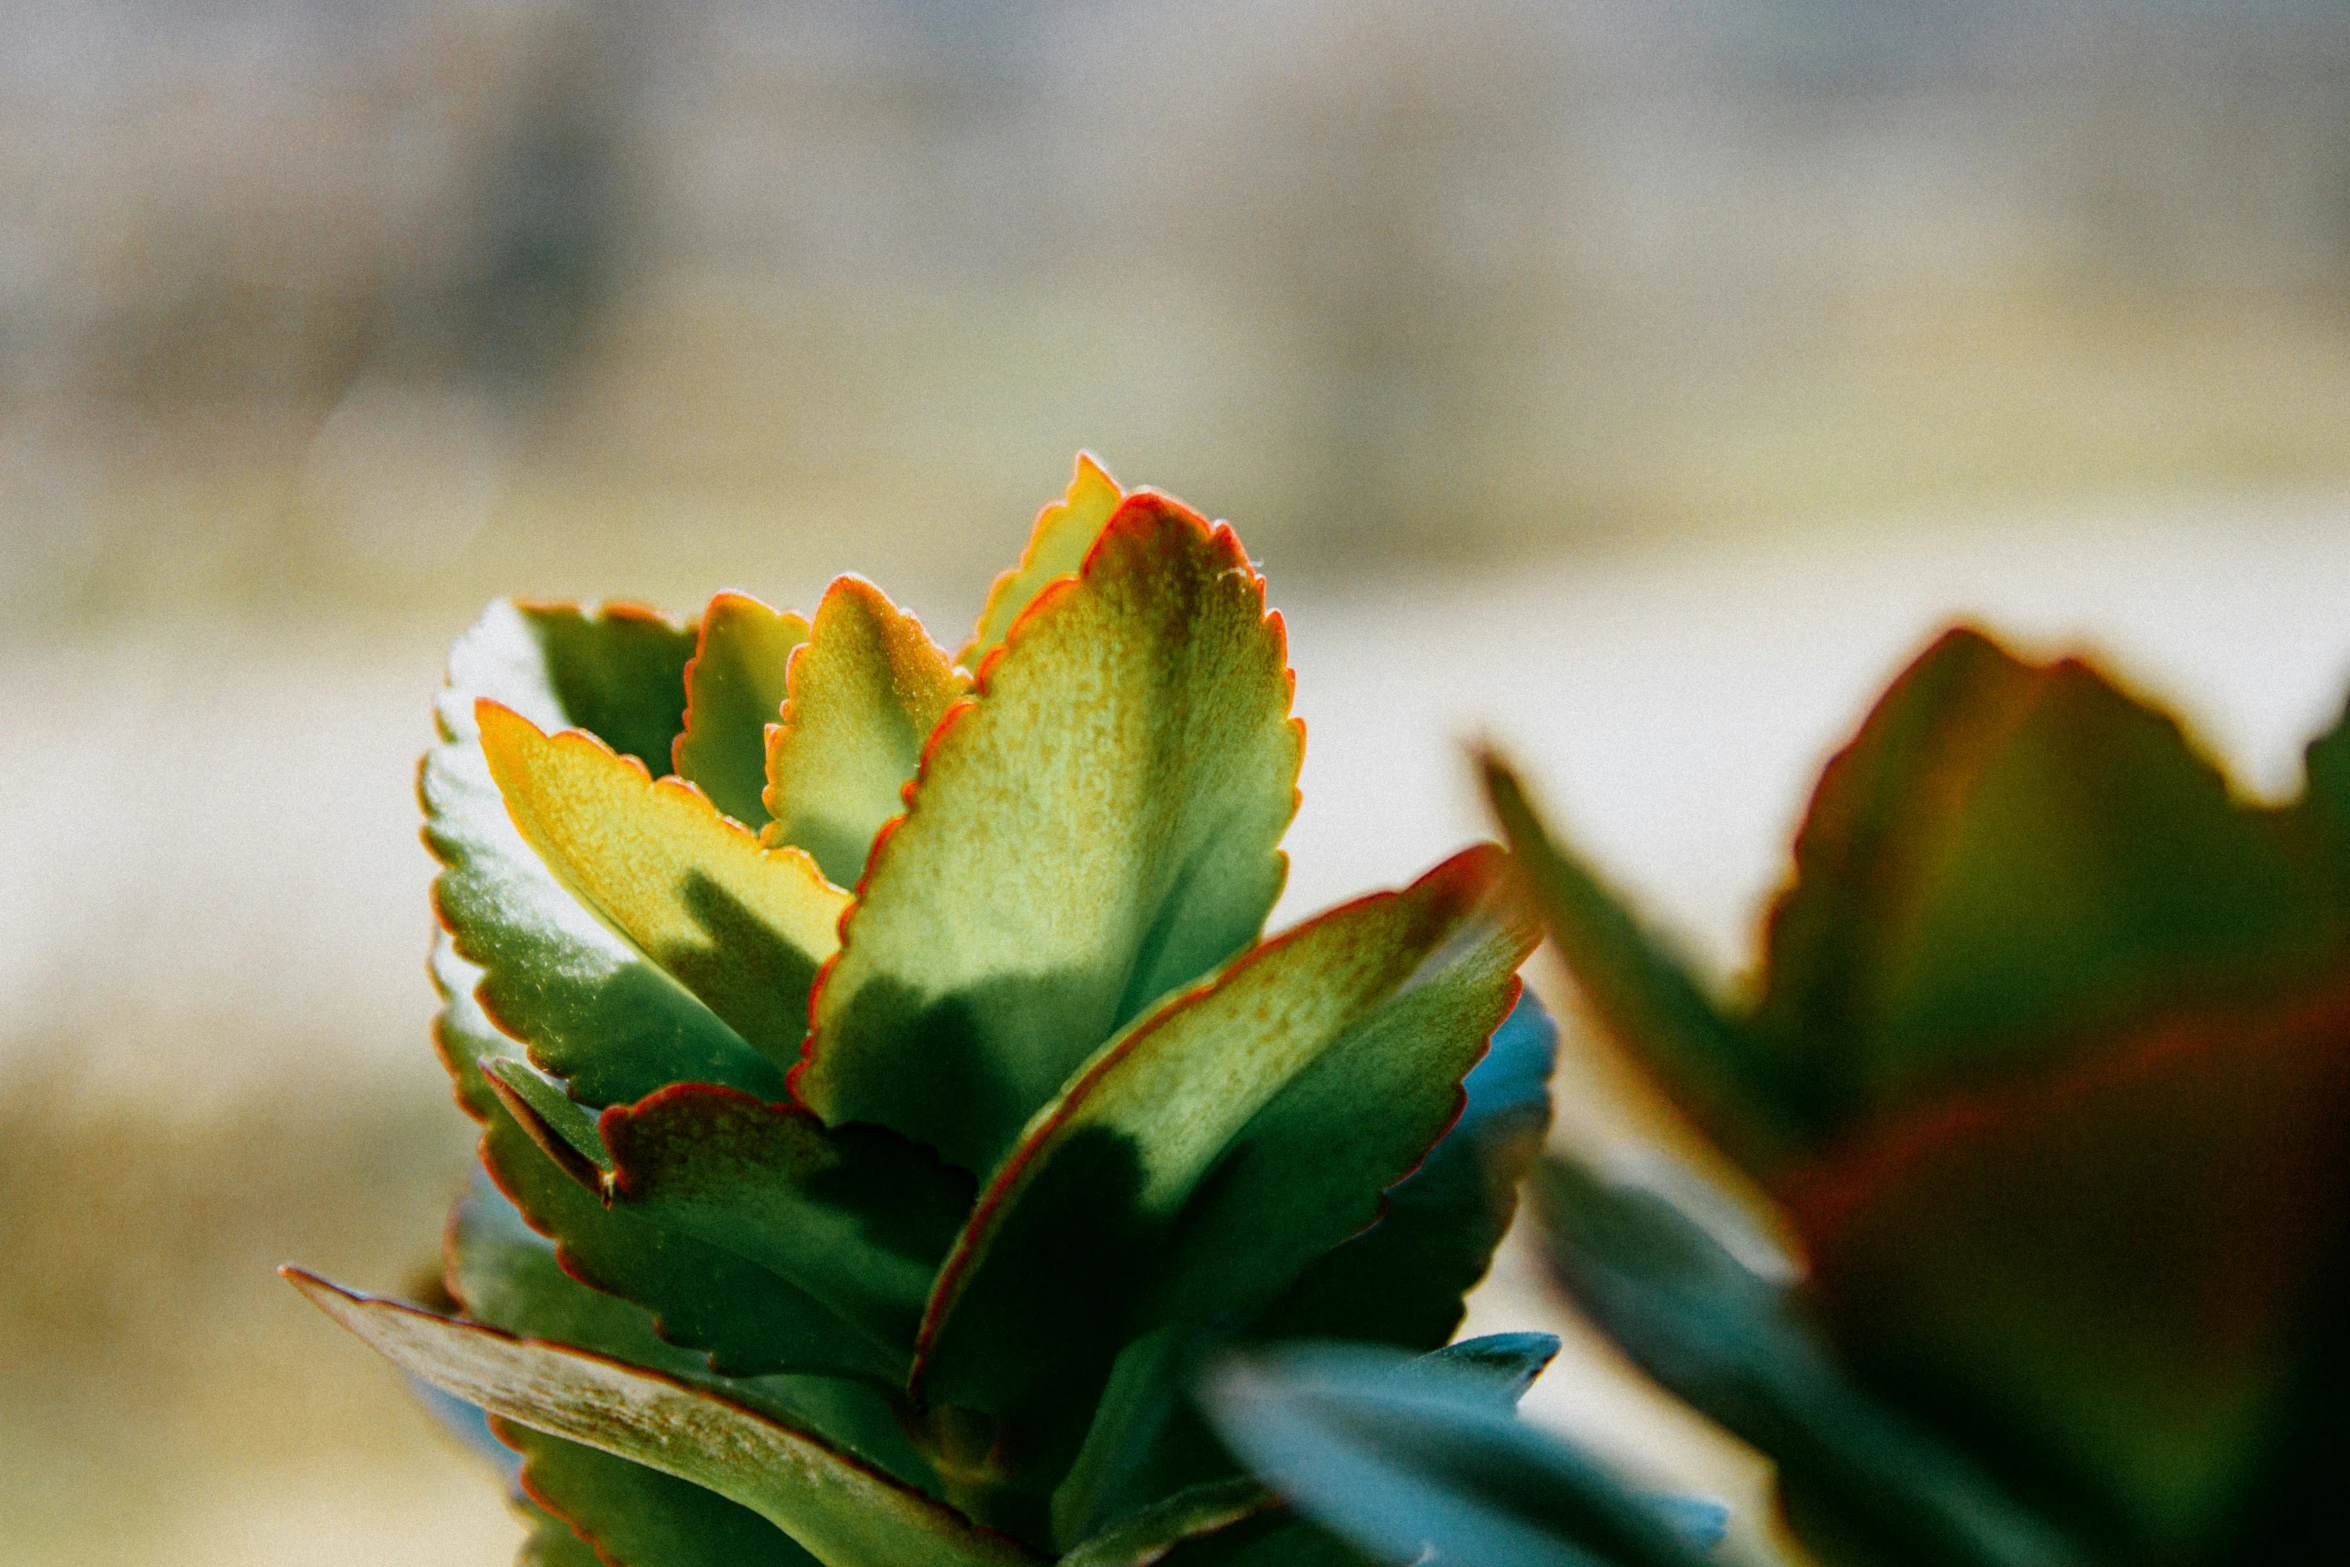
(843, 1512)
(857, 1217)
(2006, 856)
(1105, 1220)
(1402, 1281)
(1742, 1350)
(1057, 547)
(522, 951)
(1097, 829)
(1410, 1469)
(734, 690)
(1499, 1366)
(1642, 993)
(865, 695)
(743, 927)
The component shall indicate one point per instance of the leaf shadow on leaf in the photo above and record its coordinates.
(745, 956)
(971, 1092)
(622, 1039)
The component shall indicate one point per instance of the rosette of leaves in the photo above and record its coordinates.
(2047, 1070)
(886, 1093)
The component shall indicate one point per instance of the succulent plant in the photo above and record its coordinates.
(2046, 1070)
(887, 1098)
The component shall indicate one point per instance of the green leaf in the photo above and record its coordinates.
(1144, 1537)
(1740, 1349)
(1402, 1281)
(507, 1275)
(552, 1542)
(865, 696)
(859, 1218)
(564, 1131)
(742, 927)
(2006, 856)
(1642, 993)
(1098, 828)
(748, 1320)
(844, 1513)
(633, 1516)
(1310, 1076)
(1057, 546)
(734, 690)
(616, 671)
(704, 1297)
(522, 951)
(1411, 1469)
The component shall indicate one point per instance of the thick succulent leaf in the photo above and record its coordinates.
(704, 1297)
(1306, 1079)
(522, 951)
(1411, 1469)
(1742, 1350)
(734, 689)
(637, 1517)
(858, 1217)
(1144, 1537)
(1097, 829)
(627, 1515)
(742, 927)
(1402, 1281)
(1057, 546)
(506, 1274)
(2116, 1267)
(865, 694)
(564, 1131)
(749, 1321)
(552, 1542)
(843, 1512)
(2006, 855)
(1642, 993)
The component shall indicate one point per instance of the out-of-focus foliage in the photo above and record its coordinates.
(2047, 1066)
(1425, 1461)
(885, 1108)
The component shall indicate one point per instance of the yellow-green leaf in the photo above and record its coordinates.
(734, 689)
(864, 695)
(743, 928)
(1098, 828)
(1057, 545)
(519, 949)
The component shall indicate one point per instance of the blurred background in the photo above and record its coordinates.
(1637, 381)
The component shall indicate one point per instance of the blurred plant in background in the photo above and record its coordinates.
(2046, 1072)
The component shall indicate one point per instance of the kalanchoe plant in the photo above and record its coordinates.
(886, 1096)
(2047, 1067)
